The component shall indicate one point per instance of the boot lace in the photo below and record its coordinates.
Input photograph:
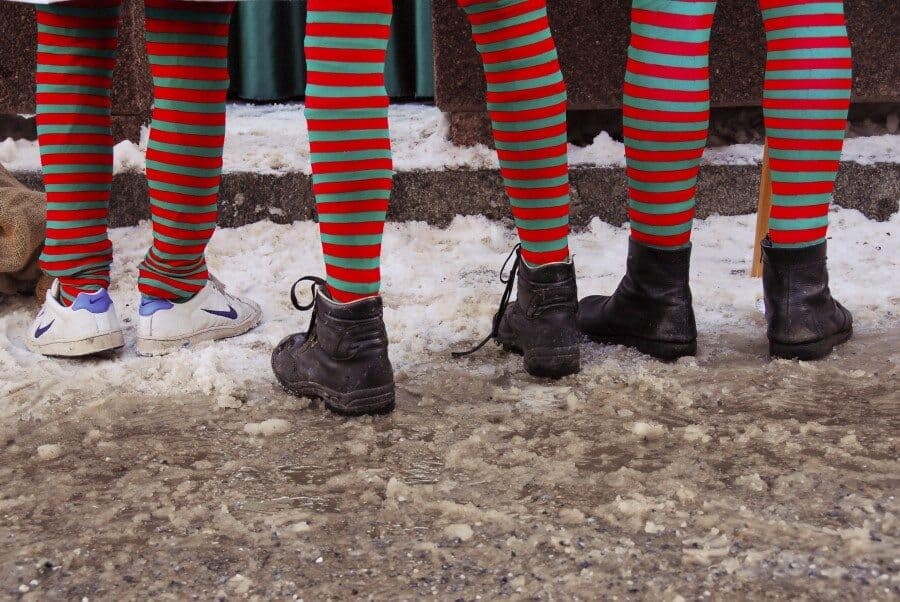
(509, 281)
(317, 283)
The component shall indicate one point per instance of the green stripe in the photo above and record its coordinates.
(356, 240)
(215, 106)
(334, 136)
(520, 19)
(676, 186)
(67, 50)
(182, 149)
(669, 34)
(815, 31)
(353, 263)
(797, 10)
(191, 84)
(526, 40)
(668, 60)
(661, 208)
(676, 106)
(545, 246)
(360, 217)
(184, 170)
(353, 176)
(662, 230)
(367, 288)
(368, 17)
(336, 43)
(667, 83)
(526, 84)
(798, 224)
(541, 224)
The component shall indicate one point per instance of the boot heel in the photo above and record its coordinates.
(554, 362)
(815, 350)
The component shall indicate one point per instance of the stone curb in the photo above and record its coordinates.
(436, 197)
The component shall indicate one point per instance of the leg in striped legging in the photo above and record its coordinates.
(666, 107)
(75, 58)
(187, 45)
(526, 100)
(805, 101)
(350, 147)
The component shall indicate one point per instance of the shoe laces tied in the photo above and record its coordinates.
(509, 281)
(317, 283)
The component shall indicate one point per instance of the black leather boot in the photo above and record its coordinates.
(650, 310)
(342, 359)
(804, 321)
(540, 323)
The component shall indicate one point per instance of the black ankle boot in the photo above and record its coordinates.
(540, 323)
(804, 321)
(342, 359)
(650, 310)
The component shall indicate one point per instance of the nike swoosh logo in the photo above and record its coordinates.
(231, 314)
(42, 329)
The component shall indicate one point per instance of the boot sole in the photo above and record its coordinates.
(379, 400)
(661, 350)
(549, 362)
(809, 351)
(96, 345)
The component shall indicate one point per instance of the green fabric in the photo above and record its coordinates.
(267, 60)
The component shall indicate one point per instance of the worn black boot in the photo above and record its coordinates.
(650, 310)
(540, 323)
(804, 321)
(342, 359)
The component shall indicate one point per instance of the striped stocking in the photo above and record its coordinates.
(806, 99)
(187, 43)
(526, 99)
(75, 59)
(350, 147)
(666, 114)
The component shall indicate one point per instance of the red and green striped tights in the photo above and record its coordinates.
(346, 108)
(187, 44)
(666, 114)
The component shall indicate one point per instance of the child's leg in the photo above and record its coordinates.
(75, 59)
(666, 116)
(806, 99)
(187, 43)
(350, 147)
(526, 99)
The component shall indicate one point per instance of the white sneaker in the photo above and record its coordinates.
(212, 314)
(90, 325)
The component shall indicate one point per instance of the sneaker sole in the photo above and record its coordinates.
(809, 351)
(549, 362)
(379, 400)
(83, 348)
(661, 350)
(150, 347)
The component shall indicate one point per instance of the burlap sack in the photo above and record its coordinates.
(21, 235)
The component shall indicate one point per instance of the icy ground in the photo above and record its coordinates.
(726, 476)
(273, 139)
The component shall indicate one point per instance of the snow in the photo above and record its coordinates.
(272, 139)
(441, 288)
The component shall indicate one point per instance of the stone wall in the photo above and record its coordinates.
(592, 37)
(131, 90)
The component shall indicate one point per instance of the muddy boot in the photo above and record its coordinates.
(540, 323)
(651, 309)
(804, 321)
(342, 359)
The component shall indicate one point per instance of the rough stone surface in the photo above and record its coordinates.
(17, 50)
(592, 37)
(436, 197)
(131, 87)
